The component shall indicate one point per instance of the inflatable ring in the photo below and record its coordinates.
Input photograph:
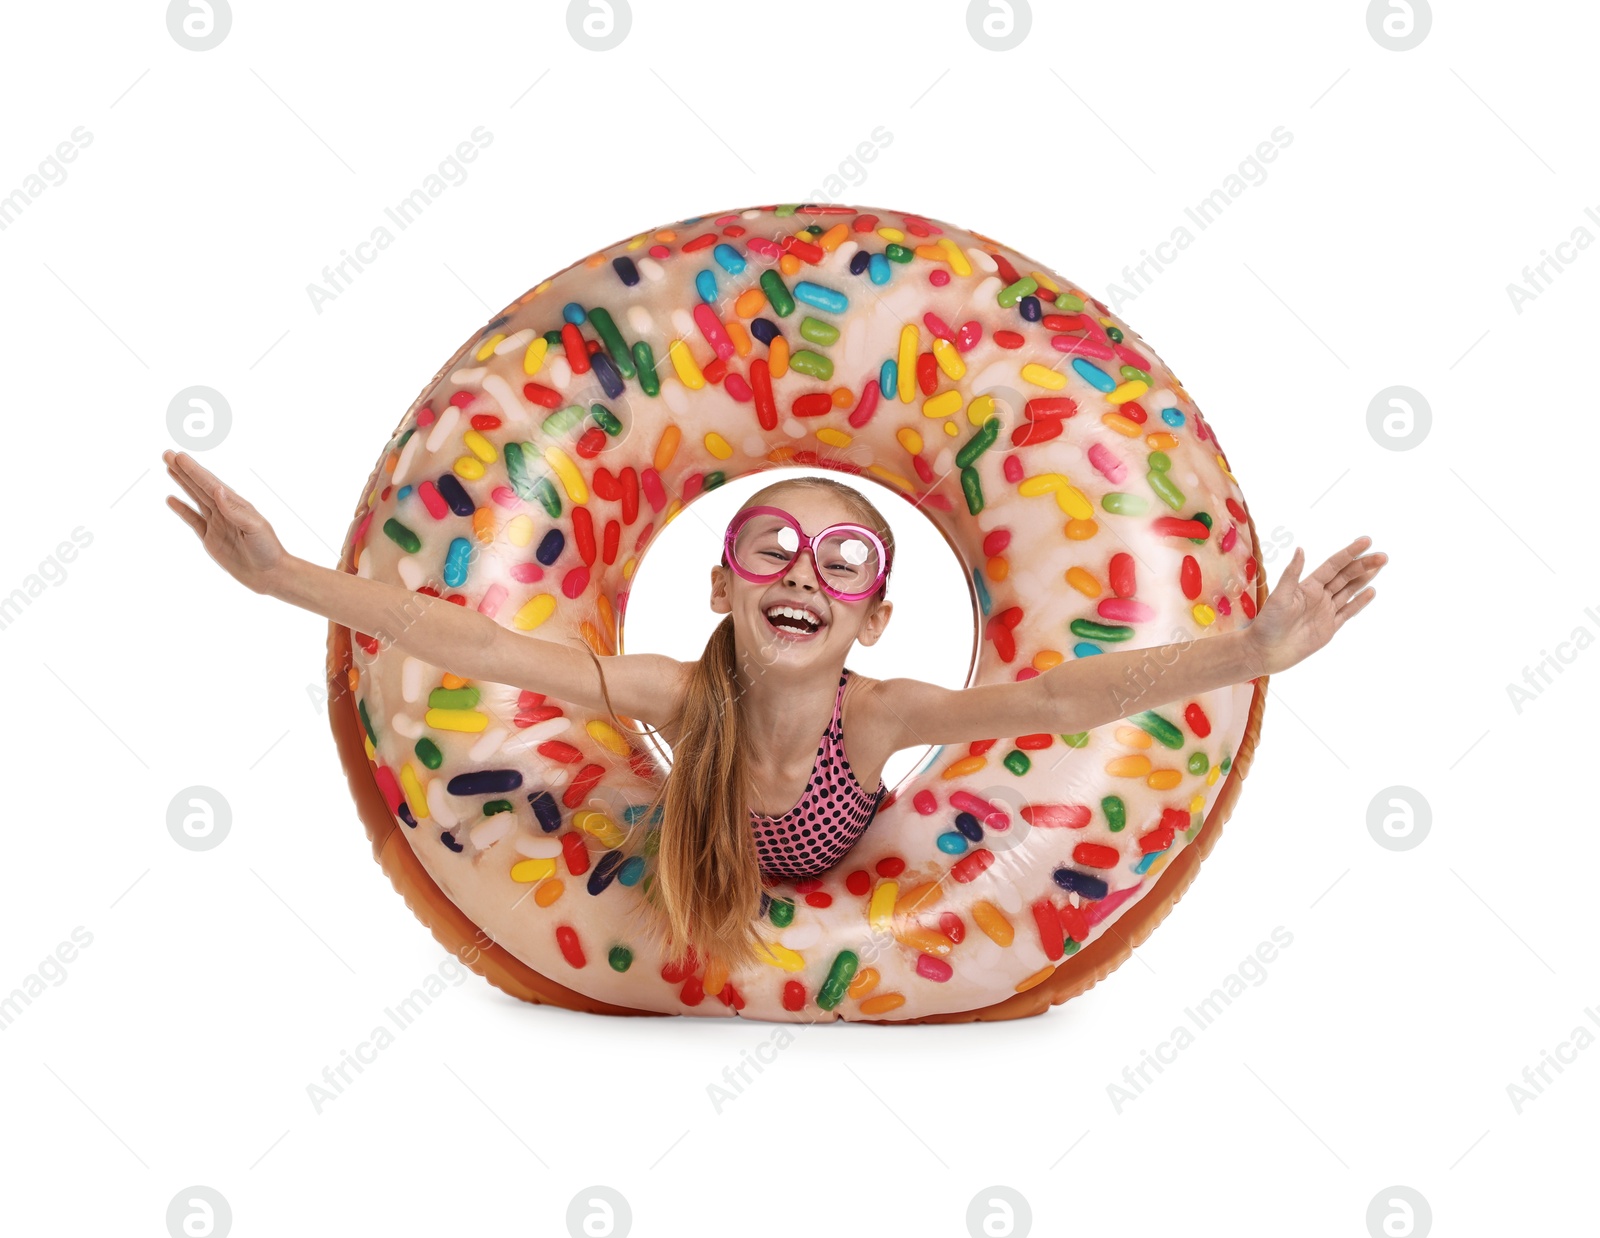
(1089, 501)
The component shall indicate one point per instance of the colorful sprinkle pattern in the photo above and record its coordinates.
(1089, 500)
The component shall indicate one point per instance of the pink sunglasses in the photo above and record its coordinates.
(804, 541)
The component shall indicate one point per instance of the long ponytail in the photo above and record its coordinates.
(706, 887)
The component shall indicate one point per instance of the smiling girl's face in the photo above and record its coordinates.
(842, 623)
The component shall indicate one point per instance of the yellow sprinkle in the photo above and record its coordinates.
(1084, 582)
(533, 870)
(958, 260)
(666, 449)
(468, 467)
(1212, 775)
(469, 721)
(883, 1003)
(489, 345)
(607, 735)
(520, 531)
(718, 446)
(1203, 614)
(534, 611)
(416, 797)
(601, 826)
(533, 359)
(942, 405)
(834, 438)
(894, 479)
(950, 430)
(548, 892)
(980, 410)
(891, 234)
(1040, 483)
(780, 956)
(949, 359)
(1197, 802)
(1128, 767)
(683, 362)
(909, 439)
(1072, 501)
(567, 471)
(1133, 737)
(1045, 282)
(1157, 864)
(1037, 374)
(479, 446)
(907, 377)
(963, 767)
(881, 910)
(638, 241)
(372, 753)
(1130, 390)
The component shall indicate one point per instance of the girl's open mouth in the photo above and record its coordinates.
(792, 628)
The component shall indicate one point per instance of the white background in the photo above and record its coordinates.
(178, 1048)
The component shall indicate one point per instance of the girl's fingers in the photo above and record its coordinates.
(1353, 607)
(189, 516)
(1339, 560)
(201, 499)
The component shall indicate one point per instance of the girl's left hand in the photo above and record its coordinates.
(1299, 617)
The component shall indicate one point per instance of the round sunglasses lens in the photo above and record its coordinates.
(766, 544)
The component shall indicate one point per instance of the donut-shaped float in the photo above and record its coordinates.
(1087, 498)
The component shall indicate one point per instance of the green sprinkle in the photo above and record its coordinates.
(453, 698)
(897, 253)
(781, 912)
(547, 496)
(1120, 504)
(559, 422)
(839, 976)
(646, 361)
(1116, 812)
(1198, 764)
(1227, 763)
(1159, 461)
(713, 480)
(1158, 728)
(811, 364)
(787, 209)
(428, 753)
(493, 808)
(1090, 630)
(606, 419)
(777, 294)
(1010, 295)
(818, 332)
(366, 722)
(620, 958)
(1165, 490)
(972, 490)
(1205, 519)
(1131, 372)
(1017, 762)
(1114, 334)
(1078, 739)
(606, 329)
(1066, 301)
(553, 338)
(402, 536)
(517, 470)
(1069, 946)
(979, 442)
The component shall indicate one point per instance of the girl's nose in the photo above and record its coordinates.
(798, 575)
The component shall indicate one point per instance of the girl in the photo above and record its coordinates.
(752, 794)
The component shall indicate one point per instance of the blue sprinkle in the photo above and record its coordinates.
(485, 782)
(1074, 882)
(983, 594)
(455, 494)
(573, 313)
(765, 330)
(1172, 416)
(1094, 375)
(878, 269)
(604, 872)
(1083, 649)
(951, 844)
(729, 259)
(626, 271)
(550, 547)
(969, 826)
(449, 840)
(822, 298)
(1028, 307)
(456, 562)
(705, 283)
(631, 870)
(1146, 860)
(606, 371)
(405, 815)
(859, 261)
(546, 810)
(402, 494)
(888, 378)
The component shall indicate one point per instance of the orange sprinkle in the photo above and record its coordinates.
(883, 1003)
(843, 397)
(866, 980)
(1038, 977)
(750, 302)
(1084, 582)
(668, 447)
(777, 358)
(833, 237)
(997, 568)
(739, 336)
(1081, 530)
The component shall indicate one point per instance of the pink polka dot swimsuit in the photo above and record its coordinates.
(833, 812)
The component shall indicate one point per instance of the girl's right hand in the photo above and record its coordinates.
(233, 532)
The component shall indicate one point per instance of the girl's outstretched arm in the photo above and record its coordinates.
(1298, 618)
(643, 686)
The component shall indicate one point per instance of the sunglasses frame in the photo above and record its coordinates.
(807, 543)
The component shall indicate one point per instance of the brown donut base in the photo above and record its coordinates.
(457, 933)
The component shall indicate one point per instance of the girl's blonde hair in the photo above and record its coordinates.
(705, 894)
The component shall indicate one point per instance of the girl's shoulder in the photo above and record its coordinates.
(870, 726)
